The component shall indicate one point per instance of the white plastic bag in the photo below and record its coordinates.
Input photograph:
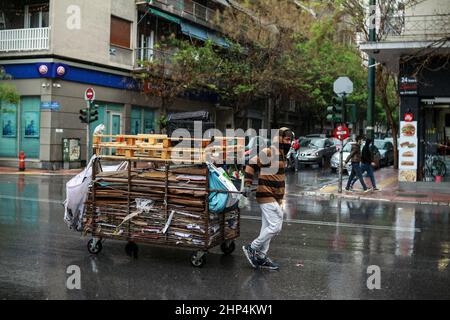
(76, 194)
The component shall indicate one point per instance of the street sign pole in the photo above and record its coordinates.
(341, 155)
(88, 128)
(89, 96)
(341, 133)
(344, 109)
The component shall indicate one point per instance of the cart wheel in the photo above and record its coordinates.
(132, 249)
(228, 247)
(94, 249)
(198, 259)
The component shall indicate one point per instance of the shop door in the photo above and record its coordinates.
(9, 130)
(149, 121)
(136, 121)
(116, 119)
(115, 126)
(436, 162)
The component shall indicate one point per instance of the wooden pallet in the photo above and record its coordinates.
(161, 147)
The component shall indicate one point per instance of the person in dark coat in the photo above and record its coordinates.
(355, 158)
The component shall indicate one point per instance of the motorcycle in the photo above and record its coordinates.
(292, 156)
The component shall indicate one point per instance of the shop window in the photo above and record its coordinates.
(447, 120)
(9, 120)
(120, 32)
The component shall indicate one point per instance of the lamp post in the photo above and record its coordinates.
(372, 72)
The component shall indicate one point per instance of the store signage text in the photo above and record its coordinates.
(408, 86)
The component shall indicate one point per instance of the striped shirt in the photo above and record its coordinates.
(271, 181)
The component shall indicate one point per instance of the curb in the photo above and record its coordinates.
(332, 196)
(39, 173)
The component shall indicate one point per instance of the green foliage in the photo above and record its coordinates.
(162, 122)
(8, 93)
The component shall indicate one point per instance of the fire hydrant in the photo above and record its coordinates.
(22, 161)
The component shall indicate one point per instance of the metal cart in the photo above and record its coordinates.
(112, 201)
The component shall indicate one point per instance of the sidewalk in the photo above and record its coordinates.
(387, 181)
(37, 172)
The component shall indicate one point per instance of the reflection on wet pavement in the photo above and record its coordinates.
(324, 251)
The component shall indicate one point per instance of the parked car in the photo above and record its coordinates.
(316, 135)
(254, 145)
(318, 151)
(334, 162)
(386, 149)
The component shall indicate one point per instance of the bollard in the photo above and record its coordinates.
(22, 161)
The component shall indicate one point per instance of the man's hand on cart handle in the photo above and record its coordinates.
(247, 190)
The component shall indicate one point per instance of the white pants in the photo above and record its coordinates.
(272, 221)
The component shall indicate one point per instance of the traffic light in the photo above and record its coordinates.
(334, 113)
(84, 117)
(93, 116)
(89, 115)
(340, 111)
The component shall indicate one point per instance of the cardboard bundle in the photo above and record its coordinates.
(175, 210)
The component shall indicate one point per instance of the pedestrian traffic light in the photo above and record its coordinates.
(84, 115)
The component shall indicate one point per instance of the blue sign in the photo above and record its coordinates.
(53, 105)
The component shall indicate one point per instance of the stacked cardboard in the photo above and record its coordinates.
(164, 206)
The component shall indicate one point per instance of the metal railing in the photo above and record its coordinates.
(32, 39)
(151, 54)
(186, 8)
(418, 27)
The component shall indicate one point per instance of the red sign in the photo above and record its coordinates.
(409, 117)
(89, 95)
(341, 132)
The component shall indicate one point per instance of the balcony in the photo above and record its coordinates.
(188, 9)
(410, 35)
(162, 58)
(417, 28)
(31, 39)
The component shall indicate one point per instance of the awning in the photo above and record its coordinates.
(202, 34)
(193, 31)
(223, 2)
(164, 15)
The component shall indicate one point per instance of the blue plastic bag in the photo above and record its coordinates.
(217, 200)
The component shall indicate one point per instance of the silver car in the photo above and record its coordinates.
(318, 151)
(334, 162)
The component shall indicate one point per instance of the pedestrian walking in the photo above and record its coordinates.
(367, 165)
(355, 158)
(269, 194)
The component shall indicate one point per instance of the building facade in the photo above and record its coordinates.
(417, 48)
(54, 50)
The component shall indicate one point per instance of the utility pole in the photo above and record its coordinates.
(372, 69)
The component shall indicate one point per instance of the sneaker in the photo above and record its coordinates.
(376, 189)
(367, 190)
(266, 263)
(250, 254)
(349, 189)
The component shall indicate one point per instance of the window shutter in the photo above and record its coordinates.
(120, 32)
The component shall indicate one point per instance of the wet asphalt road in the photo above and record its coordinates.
(324, 251)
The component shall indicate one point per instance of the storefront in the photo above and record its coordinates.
(424, 146)
(21, 128)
